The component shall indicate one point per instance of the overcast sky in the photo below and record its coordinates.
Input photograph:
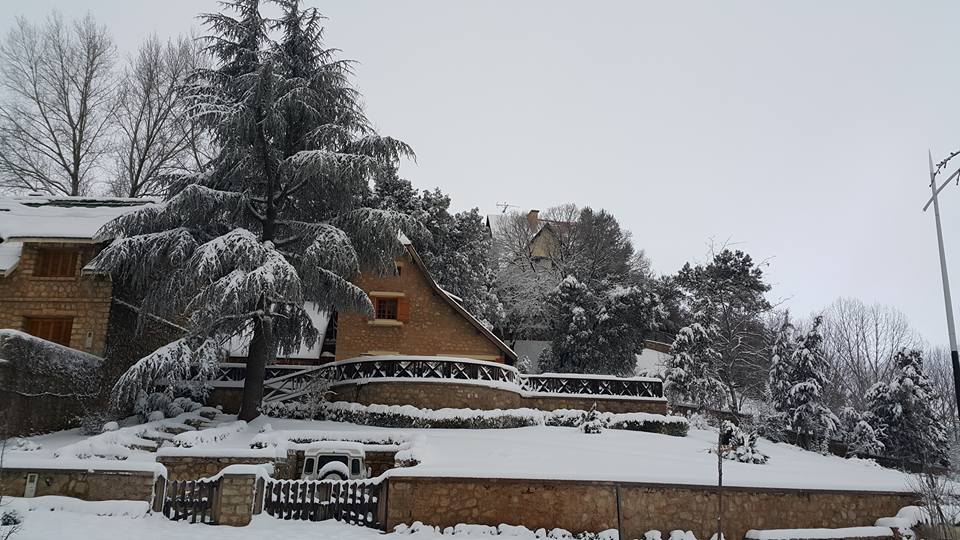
(799, 131)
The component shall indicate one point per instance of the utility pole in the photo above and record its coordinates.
(954, 356)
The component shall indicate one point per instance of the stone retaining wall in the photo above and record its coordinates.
(448, 394)
(632, 508)
(196, 467)
(82, 484)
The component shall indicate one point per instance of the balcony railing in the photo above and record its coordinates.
(283, 382)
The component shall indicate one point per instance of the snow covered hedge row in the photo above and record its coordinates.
(34, 363)
(407, 416)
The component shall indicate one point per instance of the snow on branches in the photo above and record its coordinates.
(691, 374)
(182, 360)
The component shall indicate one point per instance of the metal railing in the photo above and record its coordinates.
(284, 382)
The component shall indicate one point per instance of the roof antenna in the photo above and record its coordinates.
(504, 206)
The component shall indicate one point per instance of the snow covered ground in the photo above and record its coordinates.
(538, 452)
(61, 517)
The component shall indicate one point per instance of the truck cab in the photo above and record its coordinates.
(334, 460)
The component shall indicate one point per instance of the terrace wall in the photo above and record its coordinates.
(443, 393)
(88, 485)
(632, 508)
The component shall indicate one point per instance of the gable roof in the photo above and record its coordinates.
(450, 299)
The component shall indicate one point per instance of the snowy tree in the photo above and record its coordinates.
(782, 351)
(806, 415)
(691, 371)
(597, 332)
(458, 256)
(902, 411)
(274, 221)
(729, 291)
(739, 445)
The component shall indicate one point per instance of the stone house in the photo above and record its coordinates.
(415, 316)
(47, 288)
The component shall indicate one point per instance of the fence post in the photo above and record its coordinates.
(159, 492)
(236, 500)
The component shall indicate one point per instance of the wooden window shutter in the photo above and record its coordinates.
(55, 330)
(403, 309)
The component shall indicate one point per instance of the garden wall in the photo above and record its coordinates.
(442, 394)
(88, 485)
(633, 508)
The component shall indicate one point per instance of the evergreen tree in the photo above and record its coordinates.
(902, 411)
(597, 332)
(691, 375)
(806, 414)
(729, 291)
(458, 255)
(274, 221)
(782, 352)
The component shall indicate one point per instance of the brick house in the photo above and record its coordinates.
(415, 316)
(46, 286)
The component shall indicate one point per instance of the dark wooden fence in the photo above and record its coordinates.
(192, 500)
(357, 502)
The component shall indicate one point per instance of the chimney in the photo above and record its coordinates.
(533, 219)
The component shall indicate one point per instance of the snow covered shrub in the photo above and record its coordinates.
(196, 391)
(10, 518)
(564, 418)
(676, 426)
(149, 403)
(590, 422)
(682, 535)
(698, 421)
(92, 424)
(738, 445)
(652, 535)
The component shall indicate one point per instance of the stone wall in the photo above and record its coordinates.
(84, 298)
(633, 508)
(196, 467)
(443, 394)
(434, 327)
(88, 485)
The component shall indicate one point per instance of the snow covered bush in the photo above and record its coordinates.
(503, 530)
(159, 405)
(738, 445)
(92, 424)
(859, 434)
(591, 423)
(406, 416)
(32, 363)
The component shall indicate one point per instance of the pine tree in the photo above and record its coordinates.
(806, 414)
(729, 291)
(782, 348)
(458, 256)
(597, 332)
(901, 410)
(274, 221)
(691, 375)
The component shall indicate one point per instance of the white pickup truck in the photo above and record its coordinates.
(334, 460)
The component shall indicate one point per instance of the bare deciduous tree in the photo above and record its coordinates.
(860, 342)
(157, 138)
(58, 96)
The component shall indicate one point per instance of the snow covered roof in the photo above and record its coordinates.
(9, 257)
(51, 219)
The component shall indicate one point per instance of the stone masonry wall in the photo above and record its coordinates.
(438, 395)
(85, 485)
(196, 467)
(85, 298)
(434, 328)
(593, 506)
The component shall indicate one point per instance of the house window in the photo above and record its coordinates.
(56, 330)
(386, 308)
(56, 263)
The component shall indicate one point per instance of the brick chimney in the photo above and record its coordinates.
(533, 219)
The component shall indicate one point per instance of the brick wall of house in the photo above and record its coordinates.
(634, 508)
(84, 298)
(434, 328)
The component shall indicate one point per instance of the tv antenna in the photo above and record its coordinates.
(505, 206)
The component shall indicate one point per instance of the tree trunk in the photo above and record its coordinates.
(262, 352)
